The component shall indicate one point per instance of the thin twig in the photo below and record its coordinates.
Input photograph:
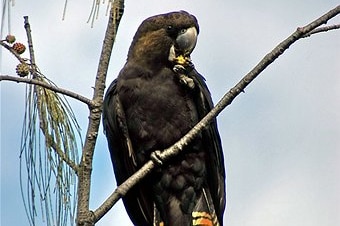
(48, 86)
(322, 29)
(30, 45)
(223, 103)
(11, 50)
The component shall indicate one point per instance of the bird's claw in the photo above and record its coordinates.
(179, 69)
(186, 81)
(156, 157)
(183, 78)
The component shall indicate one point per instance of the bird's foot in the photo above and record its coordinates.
(156, 158)
(183, 78)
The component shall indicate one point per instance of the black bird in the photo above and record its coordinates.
(157, 98)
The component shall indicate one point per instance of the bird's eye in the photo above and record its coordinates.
(182, 31)
(170, 28)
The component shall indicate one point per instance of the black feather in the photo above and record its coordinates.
(147, 108)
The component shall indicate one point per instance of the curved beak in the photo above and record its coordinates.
(186, 41)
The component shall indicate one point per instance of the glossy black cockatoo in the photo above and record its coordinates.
(157, 98)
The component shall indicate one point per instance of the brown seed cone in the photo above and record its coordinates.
(19, 47)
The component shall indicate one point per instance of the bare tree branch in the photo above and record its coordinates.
(223, 103)
(30, 45)
(11, 50)
(84, 216)
(48, 86)
(322, 29)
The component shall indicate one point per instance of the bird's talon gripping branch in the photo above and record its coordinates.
(156, 158)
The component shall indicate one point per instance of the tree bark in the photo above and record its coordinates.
(84, 216)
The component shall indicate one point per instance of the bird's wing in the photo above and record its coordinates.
(115, 127)
(212, 142)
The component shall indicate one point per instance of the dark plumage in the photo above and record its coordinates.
(156, 99)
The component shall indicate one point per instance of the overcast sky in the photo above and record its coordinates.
(281, 138)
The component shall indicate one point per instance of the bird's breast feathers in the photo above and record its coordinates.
(158, 107)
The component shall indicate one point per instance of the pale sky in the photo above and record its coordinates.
(280, 138)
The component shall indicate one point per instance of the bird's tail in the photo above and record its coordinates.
(203, 213)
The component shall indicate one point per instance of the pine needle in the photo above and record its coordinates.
(95, 10)
(49, 152)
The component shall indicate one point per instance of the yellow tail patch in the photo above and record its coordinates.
(203, 219)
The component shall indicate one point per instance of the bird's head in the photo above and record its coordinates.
(165, 39)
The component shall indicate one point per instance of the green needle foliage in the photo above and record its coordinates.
(49, 152)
